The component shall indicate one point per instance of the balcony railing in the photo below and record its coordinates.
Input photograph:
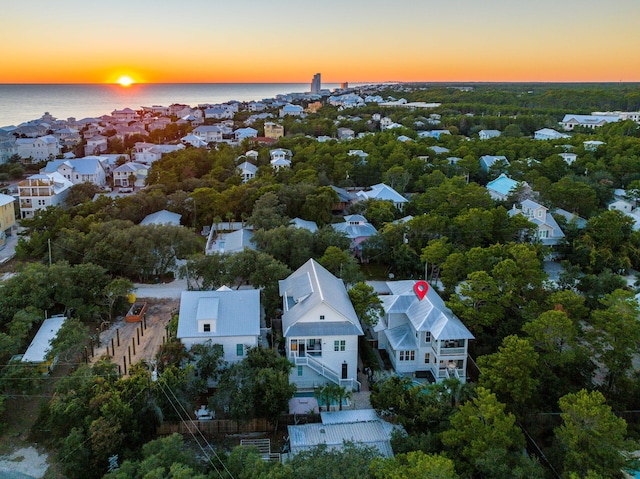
(452, 351)
(330, 374)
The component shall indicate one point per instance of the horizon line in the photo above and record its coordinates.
(436, 82)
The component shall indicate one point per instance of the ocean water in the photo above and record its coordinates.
(20, 103)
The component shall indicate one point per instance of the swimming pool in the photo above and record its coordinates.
(310, 394)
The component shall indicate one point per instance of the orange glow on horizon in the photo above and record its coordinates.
(125, 81)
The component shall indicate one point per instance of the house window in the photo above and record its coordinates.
(314, 347)
(427, 358)
(407, 355)
(206, 327)
(239, 349)
(300, 371)
(294, 345)
(321, 317)
(427, 336)
(339, 345)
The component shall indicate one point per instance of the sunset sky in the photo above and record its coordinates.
(76, 41)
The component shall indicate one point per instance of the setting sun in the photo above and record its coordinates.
(125, 81)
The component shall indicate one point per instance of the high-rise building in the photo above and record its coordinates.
(316, 83)
(344, 85)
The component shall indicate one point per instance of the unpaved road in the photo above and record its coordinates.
(136, 342)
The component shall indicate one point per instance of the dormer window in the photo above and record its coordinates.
(321, 317)
(206, 327)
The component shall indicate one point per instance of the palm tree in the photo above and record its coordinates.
(216, 222)
(229, 217)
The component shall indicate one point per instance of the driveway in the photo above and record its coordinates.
(172, 290)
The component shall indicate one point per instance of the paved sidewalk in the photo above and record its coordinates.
(9, 249)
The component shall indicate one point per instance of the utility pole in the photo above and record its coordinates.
(49, 243)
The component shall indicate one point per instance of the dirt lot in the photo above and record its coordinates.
(136, 342)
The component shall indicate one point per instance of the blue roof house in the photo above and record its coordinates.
(501, 187)
(487, 161)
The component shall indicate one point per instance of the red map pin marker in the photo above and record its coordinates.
(421, 288)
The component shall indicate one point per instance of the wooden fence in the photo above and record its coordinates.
(215, 426)
(229, 426)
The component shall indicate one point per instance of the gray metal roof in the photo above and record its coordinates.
(429, 314)
(312, 285)
(237, 313)
(41, 343)
(349, 416)
(324, 328)
(83, 166)
(402, 338)
(371, 433)
(162, 217)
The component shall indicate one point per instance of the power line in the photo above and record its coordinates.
(190, 430)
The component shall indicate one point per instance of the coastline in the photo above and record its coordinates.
(25, 102)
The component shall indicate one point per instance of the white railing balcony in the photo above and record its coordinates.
(446, 373)
(452, 351)
(328, 373)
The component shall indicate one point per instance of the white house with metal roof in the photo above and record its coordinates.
(229, 242)
(38, 149)
(488, 134)
(320, 328)
(40, 191)
(291, 110)
(549, 134)
(247, 171)
(570, 121)
(208, 133)
(162, 217)
(88, 169)
(242, 133)
(230, 318)
(549, 232)
(361, 426)
(421, 334)
(385, 193)
(130, 174)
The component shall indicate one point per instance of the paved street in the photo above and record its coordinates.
(9, 249)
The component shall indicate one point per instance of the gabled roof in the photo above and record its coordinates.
(429, 314)
(502, 184)
(131, 167)
(237, 313)
(300, 223)
(233, 242)
(37, 350)
(590, 119)
(361, 229)
(308, 287)
(162, 217)
(362, 426)
(383, 192)
(6, 199)
(438, 150)
(249, 167)
(88, 165)
(207, 129)
(343, 195)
